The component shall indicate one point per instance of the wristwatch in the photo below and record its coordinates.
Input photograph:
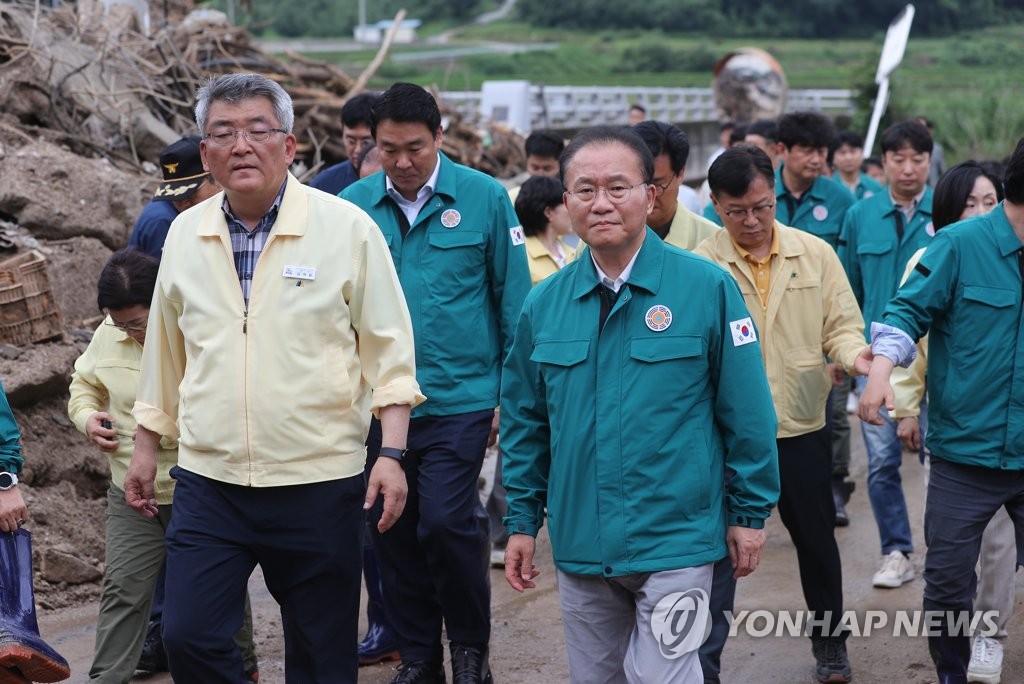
(7, 481)
(393, 452)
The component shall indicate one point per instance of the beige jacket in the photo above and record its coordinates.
(279, 393)
(811, 313)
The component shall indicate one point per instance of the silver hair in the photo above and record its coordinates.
(238, 87)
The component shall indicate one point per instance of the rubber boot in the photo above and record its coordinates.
(23, 653)
(951, 655)
(380, 643)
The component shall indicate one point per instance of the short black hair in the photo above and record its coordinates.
(738, 134)
(664, 138)
(623, 135)
(766, 128)
(406, 103)
(127, 279)
(638, 107)
(360, 155)
(727, 126)
(544, 143)
(851, 138)
(358, 110)
(736, 168)
(953, 189)
(810, 129)
(1013, 178)
(912, 133)
(535, 195)
(869, 162)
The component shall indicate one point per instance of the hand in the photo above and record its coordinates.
(837, 374)
(139, 490)
(909, 432)
(745, 546)
(492, 438)
(877, 392)
(387, 478)
(13, 511)
(519, 567)
(862, 364)
(104, 438)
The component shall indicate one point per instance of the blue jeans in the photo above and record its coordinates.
(885, 486)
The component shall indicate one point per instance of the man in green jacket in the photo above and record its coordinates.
(634, 384)
(461, 258)
(880, 234)
(967, 291)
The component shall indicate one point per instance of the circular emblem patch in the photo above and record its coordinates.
(820, 212)
(658, 318)
(450, 218)
(930, 229)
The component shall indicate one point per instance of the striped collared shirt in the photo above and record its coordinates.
(248, 245)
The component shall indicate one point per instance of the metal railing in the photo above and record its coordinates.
(573, 107)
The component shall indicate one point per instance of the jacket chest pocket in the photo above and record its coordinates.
(560, 354)
(457, 254)
(876, 248)
(989, 310)
(666, 368)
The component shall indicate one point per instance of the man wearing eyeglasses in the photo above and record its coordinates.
(634, 384)
(803, 306)
(672, 222)
(461, 256)
(277, 326)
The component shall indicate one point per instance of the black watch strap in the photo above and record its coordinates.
(392, 452)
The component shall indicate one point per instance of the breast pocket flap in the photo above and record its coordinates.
(652, 349)
(561, 352)
(452, 239)
(993, 296)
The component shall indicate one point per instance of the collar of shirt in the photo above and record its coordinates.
(411, 208)
(914, 203)
(751, 259)
(265, 223)
(615, 285)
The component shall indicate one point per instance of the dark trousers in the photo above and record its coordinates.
(961, 501)
(808, 512)
(433, 560)
(308, 541)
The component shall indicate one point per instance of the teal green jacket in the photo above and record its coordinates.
(867, 187)
(625, 439)
(10, 438)
(820, 213)
(464, 284)
(873, 256)
(966, 291)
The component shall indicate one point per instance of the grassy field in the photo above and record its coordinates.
(971, 85)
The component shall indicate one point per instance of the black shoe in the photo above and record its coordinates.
(419, 672)
(153, 658)
(469, 665)
(832, 663)
(839, 497)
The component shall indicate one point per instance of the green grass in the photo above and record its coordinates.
(970, 84)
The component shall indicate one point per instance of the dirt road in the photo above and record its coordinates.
(527, 636)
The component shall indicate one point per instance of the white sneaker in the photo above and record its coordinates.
(852, 402)
(986, 664)
(497, 557)
(896, 571)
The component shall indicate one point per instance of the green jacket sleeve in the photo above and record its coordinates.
(848, 254)
(526, 440)
(509, 269)
(744, 413)
(10, 438)
(928, 290)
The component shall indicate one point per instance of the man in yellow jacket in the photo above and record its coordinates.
(803, 307)
(277, 326)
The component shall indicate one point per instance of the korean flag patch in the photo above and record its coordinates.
(518, 236)
(742, 332)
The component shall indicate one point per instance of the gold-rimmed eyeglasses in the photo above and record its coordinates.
(760, 211)
(617, 193)
(259, 135)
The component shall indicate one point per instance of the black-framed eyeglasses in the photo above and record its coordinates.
(760, 211)
(617, 193)
(660, 188)
(258, 135)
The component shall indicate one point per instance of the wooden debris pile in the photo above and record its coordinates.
(100, 85)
